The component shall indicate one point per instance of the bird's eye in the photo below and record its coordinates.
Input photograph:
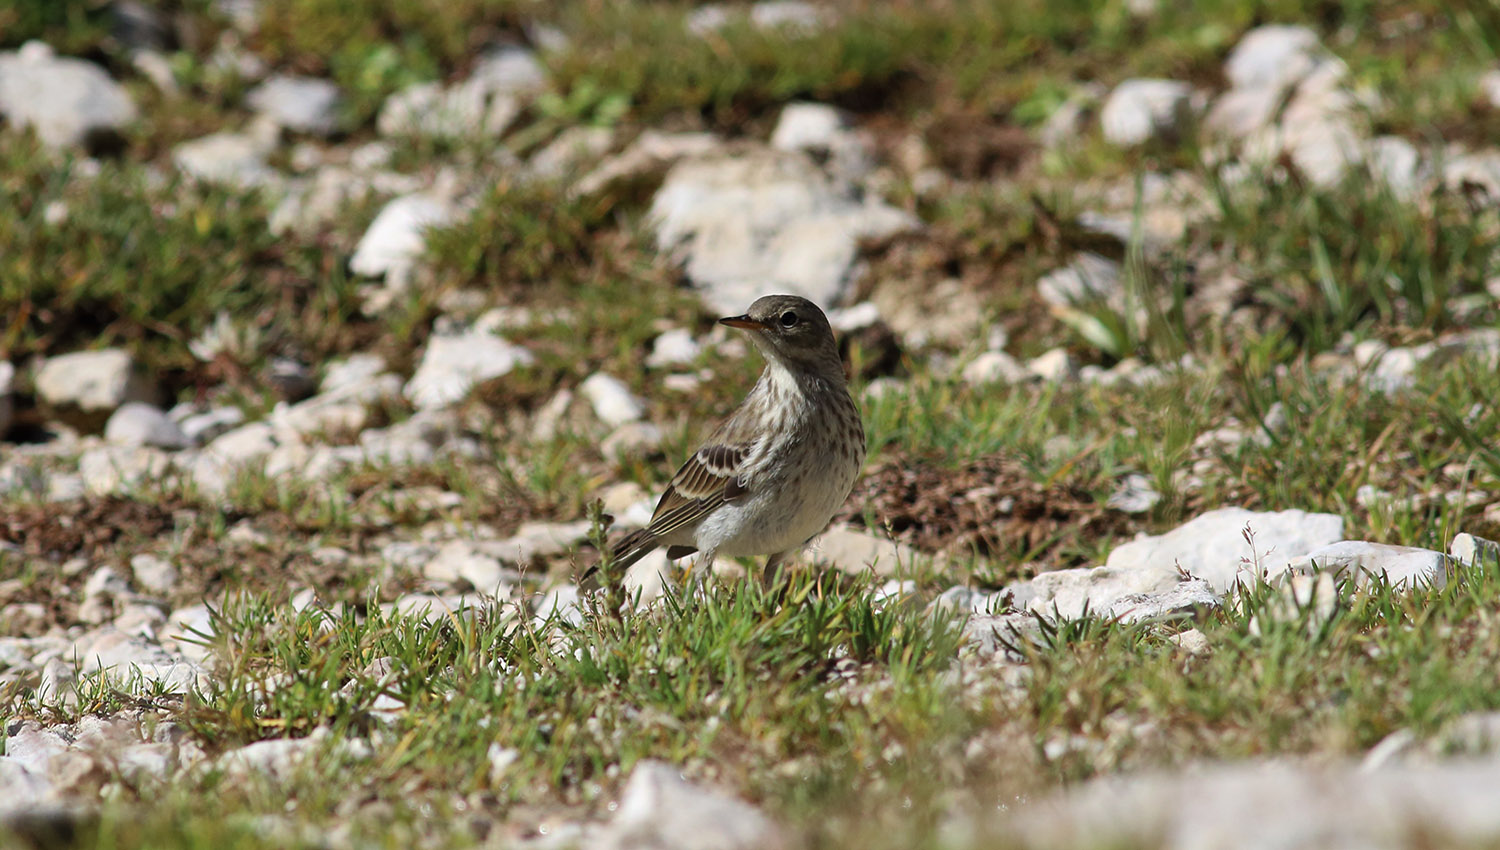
(788, 319)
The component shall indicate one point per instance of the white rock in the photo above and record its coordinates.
(465, 111)
(511, 70)
(91, 380)
(1394, 162)
(1315, 805)
(1088, 277)
(461, 559)
(560, 604)
(1138, 111)
(1131, 594)
(1212, 546)
(764, 221)
(791, 16)
(245, 444)
(397, 237)
(1054, 366)
(1489, 88)
(453, 364)
(283, 758)
(1237, 113)
(823, 130)
(21, 789)
(353, 374)
(1275, 56)
(612, 400)
(648, 156)
(230, 159)
(1403, 566)
(632, 439)
(153, 574)
(203, 427)
(66, 101)
(7, 374)
(863, 315)
(138, 424)
(1469, 549)
(1136, 494)
(1478, 171)
(659, 810)
(1192, 641)
(120, 469)
(575, 150)
(673, 348)
(300, 104)
(992, 367)
(855, 551)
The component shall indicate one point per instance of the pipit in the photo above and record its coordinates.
(772, 475)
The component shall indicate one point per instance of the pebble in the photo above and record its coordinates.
(140, 424)
(67, 102)
(91, 380)
(612, 400)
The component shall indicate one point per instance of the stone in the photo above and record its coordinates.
(1192, 641)
(300, 104)
(1394, 162)
(1139, 111)
(994, 367)
(283, 758)
(1237, 113)
(1213, 547)
(153, 574)
(462, 560)
(453, 364)
(110, 470)
(612, 400)
(763, 221)
(344, 409)
(574, 151)
(1474, 551)
(1315, 805)
(67, 102)
(231, 159)
(855, 551)
(633, 439)
(1131, 595)
(310, 204)
(7, 374)
(1476, 173)
(139, 424)
(465, 111)
(1054, 366)
(559, 605)
(646, 159)
(659, 810)
(1405, 567)
(1274, 56)
(91, 380)
(824, 132)
(1135, 494)
(396, 238)
(512, 70)
(675, 347)
(1488, 85)
(1069, 121)
(1087, 278)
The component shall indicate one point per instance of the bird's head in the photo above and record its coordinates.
(791, 331)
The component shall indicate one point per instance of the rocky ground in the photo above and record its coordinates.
(324, 326)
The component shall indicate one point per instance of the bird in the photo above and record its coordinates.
(773, 474)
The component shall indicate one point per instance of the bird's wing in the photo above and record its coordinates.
(709, 479)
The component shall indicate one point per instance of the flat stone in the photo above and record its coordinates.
(67, 102)
(463, 560)
(396, 238)
(1274, 56)
(91, 380)
(675, 347)
(855, 551)
(453, 364)
(1315, 806)
(1087, 278)
(1212, 546)
(1138, 111)
(300, 104)
(659, 810)
(576, 150)
(761, 221)
(1403, 566)
(117, 469)
(646, 159)
(612, 400)
(994, 367)
(140, 424)
(230, 159)
(153, 574)
(1468, 549)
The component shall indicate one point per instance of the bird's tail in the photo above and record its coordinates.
(631, 548)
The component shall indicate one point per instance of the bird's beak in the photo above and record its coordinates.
(744, 322)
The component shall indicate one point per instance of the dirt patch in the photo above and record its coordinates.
(81, 527)
(991, 506)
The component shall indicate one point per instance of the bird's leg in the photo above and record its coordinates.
(768, 578)
(701, 565)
